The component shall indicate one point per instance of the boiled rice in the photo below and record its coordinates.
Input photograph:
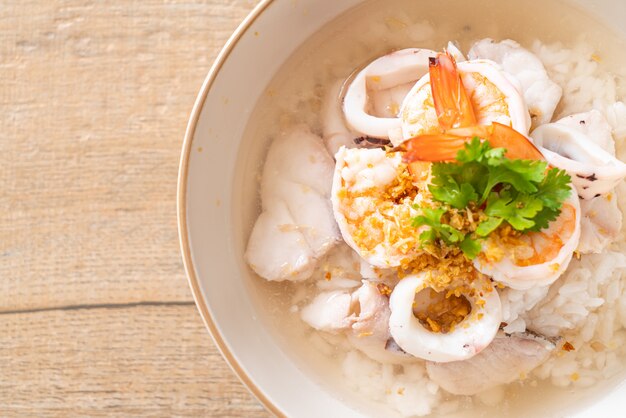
(586, 306)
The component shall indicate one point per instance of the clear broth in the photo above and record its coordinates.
(334, 52)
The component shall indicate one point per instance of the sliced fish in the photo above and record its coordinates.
(506, 359)
(296, 227)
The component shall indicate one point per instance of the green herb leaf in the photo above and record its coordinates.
(553, 191)
(495, 156)
(487, 226)
(428, 217)
(470, 247)
(523, 193)
(544, 217)
(517, 209)
(446, 189)
(554, 188)
(432, 218)
(475, 150)
(428, 237)
(520, 174)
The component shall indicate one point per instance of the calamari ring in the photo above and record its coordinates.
(594, 171)
(468, 338)
(391, 70)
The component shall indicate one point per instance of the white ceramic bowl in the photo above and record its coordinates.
(208, 227)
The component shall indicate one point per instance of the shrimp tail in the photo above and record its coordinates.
(516, 144)
(445, 146)
(435, 147)
(453, 107)
(458, 122)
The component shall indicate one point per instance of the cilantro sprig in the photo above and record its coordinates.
(439, 230)
(525, 194)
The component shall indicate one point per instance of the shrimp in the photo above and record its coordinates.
(479, 93)
(458, 123)
(445, 146)
(474, 329)
(536, 258)
(388, 72)
(372, 197)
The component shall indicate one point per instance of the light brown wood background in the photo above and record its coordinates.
(96, 317)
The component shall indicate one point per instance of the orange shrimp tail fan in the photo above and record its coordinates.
(445, 146)
(516, 144)
(435, 147)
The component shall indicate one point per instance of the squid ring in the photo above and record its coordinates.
(388, 71)
(465, 340)
(593, 170)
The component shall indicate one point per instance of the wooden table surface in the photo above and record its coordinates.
(96, 318)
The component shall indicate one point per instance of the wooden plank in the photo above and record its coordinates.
(93, 106)
(94, 102)
(130, 361)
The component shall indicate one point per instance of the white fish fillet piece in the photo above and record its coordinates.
(309, 210)
(329, 311)
(296, 227)
(600, 223)
(299, 156)
(364, 317)
(370, 331)
(506, 359)
(277, 250)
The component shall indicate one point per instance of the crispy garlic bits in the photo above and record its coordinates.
(373, 197)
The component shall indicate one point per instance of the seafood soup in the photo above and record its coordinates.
(431, 199)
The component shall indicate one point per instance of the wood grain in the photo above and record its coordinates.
(136, 360)
(93, 109)
(95, 311)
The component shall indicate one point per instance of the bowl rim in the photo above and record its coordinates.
(181, 209)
